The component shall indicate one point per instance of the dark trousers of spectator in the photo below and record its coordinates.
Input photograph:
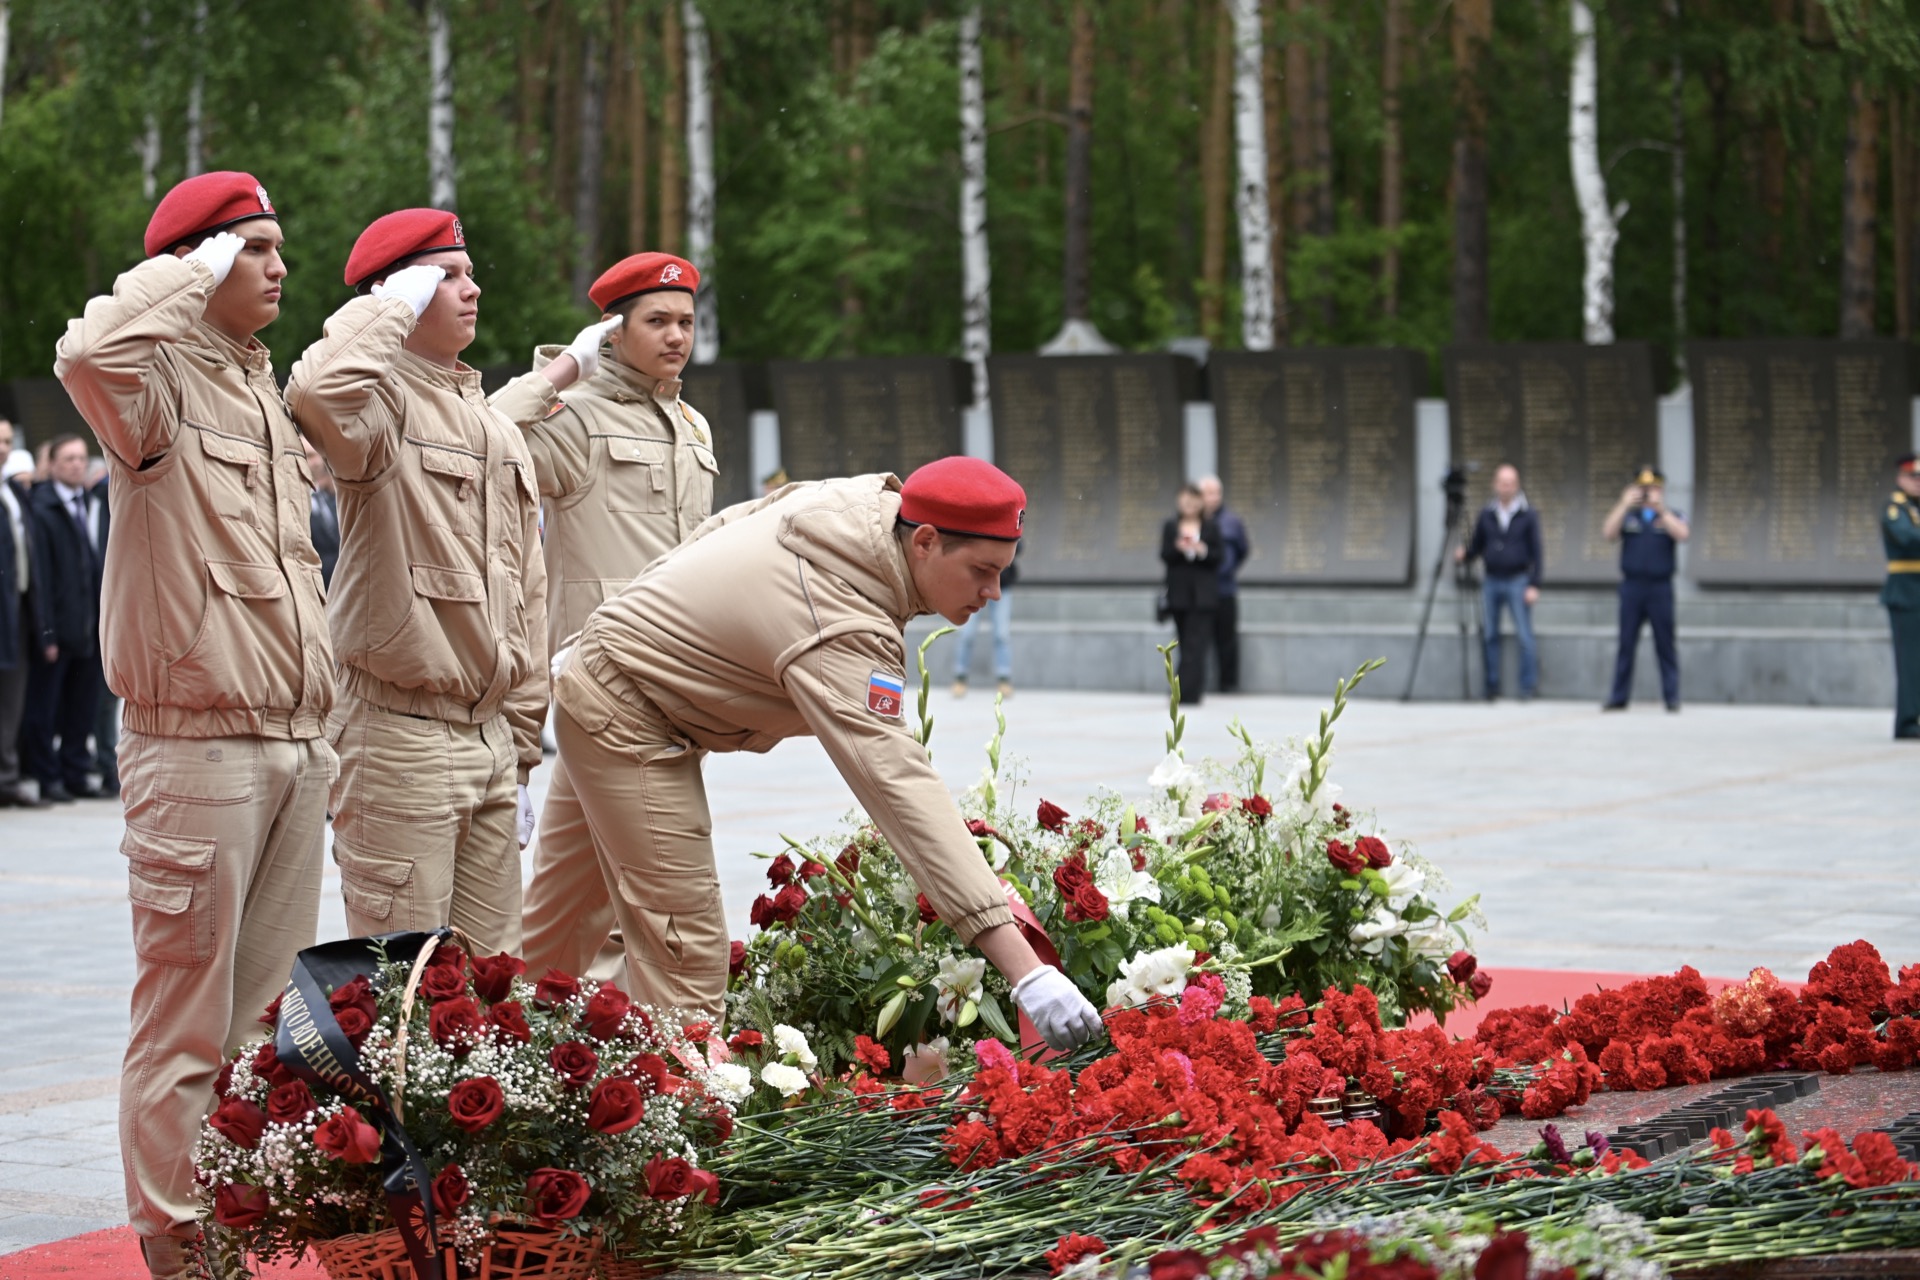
(106, 737)
(1906, 672)
(1195, 630)
(1650, 602)
(62, 697)
(1226, 642)
(13, 707)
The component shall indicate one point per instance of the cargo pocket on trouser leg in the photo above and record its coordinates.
(680, 939)
(393, 874)
(170, 881)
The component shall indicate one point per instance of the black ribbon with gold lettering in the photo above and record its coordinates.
(314, 1048)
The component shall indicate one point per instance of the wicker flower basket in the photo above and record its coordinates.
(514, 1253)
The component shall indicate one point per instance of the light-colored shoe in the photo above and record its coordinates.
(1006, 688)
(959, 688)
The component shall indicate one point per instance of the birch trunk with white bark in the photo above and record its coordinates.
(1250, 160)
(196, 94)
(706, 319)
(149, 145)
(1599, 222)
(6, 20)
(976, 272)
(440, 185)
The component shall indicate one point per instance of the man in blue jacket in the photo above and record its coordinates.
(1506, 540)
(1649, 533)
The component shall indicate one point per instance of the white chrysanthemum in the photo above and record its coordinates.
(788, 1080)
(789, 1041)
(1114, 876)
(731, 1082)
(958, 981)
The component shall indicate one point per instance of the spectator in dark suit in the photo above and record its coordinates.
(1234, 550)
(106, 715)
(1191, 548)
(63, 684)
(16, 572)
(1506, 540)
(323, 513)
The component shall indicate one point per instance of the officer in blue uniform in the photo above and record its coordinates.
(1900, 531)
(1648, 533)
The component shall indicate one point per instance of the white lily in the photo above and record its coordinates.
(1114, 876)
(958, 981)
(1403, 881)
(1376, 929)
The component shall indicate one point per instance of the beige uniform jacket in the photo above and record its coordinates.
(627, 469)
(212, 615)
(440, 595)
(783, 618)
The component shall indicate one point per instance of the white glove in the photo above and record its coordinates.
(1060, 1013)
(526, 817)
(585, 348)
(218, 251)
(413, 285)
(559, 663)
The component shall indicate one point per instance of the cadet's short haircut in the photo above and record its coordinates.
(903, 529)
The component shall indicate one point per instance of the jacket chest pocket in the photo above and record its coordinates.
(700, 494)
(452, 492)
(235, 477)
(639, 475)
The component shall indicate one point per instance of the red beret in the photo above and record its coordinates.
(967, 496)
(389, 242)
(1908, 464)
(643, 273)
(206, 203)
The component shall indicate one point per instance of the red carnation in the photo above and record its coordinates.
(1375, 851)
(347, 1136)
(1259, 808)
(780, 871)
(291, 1103)
(573, 1062)
(1344, 858)
(668, 1179)
(607, 1010)
(239, 1206)
(1177, 1264)
(927, 914)
(746, 1039)
(736, 959)
(873, 1055)
(555, 988)
(442, 981)
(1051, 817)
(450, 1190)
(476, 1103)
(509, 1022)
(1087, 903)
(239, 1122)
(493, 976)
(1071, 1249)
(616, 1106)
(1460, 965)
(455, 1025)
(557, 1194)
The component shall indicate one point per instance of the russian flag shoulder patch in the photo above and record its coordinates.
(886, 694)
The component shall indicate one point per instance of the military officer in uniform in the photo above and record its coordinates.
(215, 633)
(1648, 532)
(439, 604)
(781, 618)
(627, 469)
(1900, 530)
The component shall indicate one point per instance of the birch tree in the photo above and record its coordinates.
(149, 145)
(1215, 127)
(706, 323)
(1250, 157)
(439, 107)
(6, 21)
(976, 283)
(197, 94)
(1078, 334)
(1599, 222)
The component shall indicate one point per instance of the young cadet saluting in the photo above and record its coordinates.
(215, 633)
(439, 597)
(778, 619)
(626, 468)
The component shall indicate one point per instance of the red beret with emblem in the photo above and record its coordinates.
(967, 496)
(206, 203)
(392, 241)
(643, 273)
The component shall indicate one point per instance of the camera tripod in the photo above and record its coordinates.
(1454, 484)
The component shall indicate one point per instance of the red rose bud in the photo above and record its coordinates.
(348, 1137)
(476, 1103)
(509, 1022)
(650, 1071)
(849, 861)
(493, 976)
(455, 1025)
(354, 1023)
(240, 1206)
(555, 988)
(356, 994)
(704, 1186)
(1087, 903)
(736, 959)
(1259, 808)
(780, 871)
(267, 1066)
(927, 914)
(746, 1039)
(291, 1103)
(979, 830)
(1218, 802)
(1072, 875)
(1460, 965)
(788, 902)
(557, 1194)
(1504, 1258)
(616, 1106)
(239, 1122)
(573, 1062)
(1344, 858)
(760, 915)
(697, 1031)
(606, 1011)
(446, 955)
(668, 1179)
(223, 1083)
(1480, 984)
(271, 1017)
(442, 981)
(810, 869)
(1051, 817)
(1375, 851)
(450, 1190)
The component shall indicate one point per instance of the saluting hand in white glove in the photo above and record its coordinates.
(1060, 1013)
(526, 817)
(559, 663)
(413, 285)
(585, 347)
(218, 251)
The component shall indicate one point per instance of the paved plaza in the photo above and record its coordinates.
(1725, 837)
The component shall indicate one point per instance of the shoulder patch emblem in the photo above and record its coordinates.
(886, 695)
(558, 405)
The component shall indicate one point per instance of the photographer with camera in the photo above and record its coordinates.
(1506, 540)
(1648, 533)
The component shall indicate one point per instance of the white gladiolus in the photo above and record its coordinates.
(1114, 876)
(731, 1082)
(788, 1080)
(1181, 782)
(789, 1041)
(958, 981)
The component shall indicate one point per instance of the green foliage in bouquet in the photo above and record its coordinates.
(547, 1103)
(1249, 869)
